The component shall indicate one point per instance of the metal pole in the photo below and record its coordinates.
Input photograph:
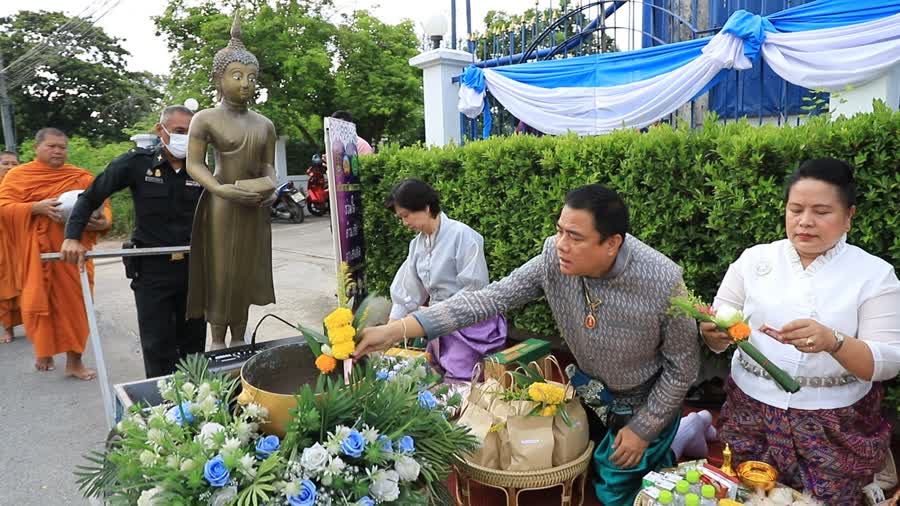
(109, 406)
(108, 401)
(9, 133)
(453, 24)
(471, 43)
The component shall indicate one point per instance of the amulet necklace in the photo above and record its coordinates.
(590, 319)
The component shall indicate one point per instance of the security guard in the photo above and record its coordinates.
(165, 198)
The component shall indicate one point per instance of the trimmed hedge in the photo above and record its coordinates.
(698, 196)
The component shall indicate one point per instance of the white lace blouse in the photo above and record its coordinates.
(438, 266)
(845, 289)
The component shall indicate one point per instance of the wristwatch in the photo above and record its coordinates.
(839, 342)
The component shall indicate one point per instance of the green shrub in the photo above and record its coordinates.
(700, 196)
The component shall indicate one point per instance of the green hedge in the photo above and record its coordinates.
(698, 196)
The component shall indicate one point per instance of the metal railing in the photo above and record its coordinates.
(109, 408)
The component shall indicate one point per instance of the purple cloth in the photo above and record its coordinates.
(458, 352)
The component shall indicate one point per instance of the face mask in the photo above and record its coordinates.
(177, 145)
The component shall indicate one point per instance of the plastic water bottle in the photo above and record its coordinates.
(665, 498)
(692, 500)
(708, 496)
(693, 479)
(682, 488)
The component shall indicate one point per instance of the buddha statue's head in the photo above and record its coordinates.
(235, 69)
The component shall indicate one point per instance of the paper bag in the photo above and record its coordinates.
(569, 442)
(480, 421)
(526, 442)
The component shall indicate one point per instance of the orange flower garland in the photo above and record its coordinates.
(739, 331)
(325, 363)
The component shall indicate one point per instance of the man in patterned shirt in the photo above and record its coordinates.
(609, 294)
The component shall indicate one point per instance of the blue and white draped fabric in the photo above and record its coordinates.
(827, 44)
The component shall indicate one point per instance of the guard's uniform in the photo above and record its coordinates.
(164, 204)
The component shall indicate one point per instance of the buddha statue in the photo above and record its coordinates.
(231, 244)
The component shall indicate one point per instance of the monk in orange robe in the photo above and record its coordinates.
(51, 302)
(9, 288)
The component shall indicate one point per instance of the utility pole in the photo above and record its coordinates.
(9, 133)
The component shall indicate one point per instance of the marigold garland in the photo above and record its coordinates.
(325, 363)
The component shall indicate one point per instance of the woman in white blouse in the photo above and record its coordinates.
(445, 257)
(827, 313)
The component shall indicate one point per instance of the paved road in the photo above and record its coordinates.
(48, 421)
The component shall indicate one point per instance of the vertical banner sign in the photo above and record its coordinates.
(345, 196)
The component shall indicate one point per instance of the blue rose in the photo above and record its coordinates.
(354, 444)
(265, 446)
(382, 375)
(306, 496)
(386, 445)
(215, 472)
(365, 501)
(427, 400)
(407, 445)
(174, 413)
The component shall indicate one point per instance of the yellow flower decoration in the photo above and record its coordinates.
(549, 410)
(546, 393)
(342, 351)
(340, 317)
(341, 334)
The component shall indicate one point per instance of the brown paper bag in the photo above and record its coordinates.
(569, 442)
(526, 442)
(476, 415)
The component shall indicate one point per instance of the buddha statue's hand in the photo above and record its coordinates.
(235, 194)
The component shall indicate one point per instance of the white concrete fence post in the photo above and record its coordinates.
(439, 67)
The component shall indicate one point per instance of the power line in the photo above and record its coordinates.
(40, 54)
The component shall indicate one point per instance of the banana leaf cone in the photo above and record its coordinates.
(783, 379)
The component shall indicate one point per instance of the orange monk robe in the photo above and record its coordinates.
(10, 287)
(51, 303)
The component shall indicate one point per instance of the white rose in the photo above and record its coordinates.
(210, 428)
(203, 391)
(726, 312)
(223, 496)
(407, 468)
(147, 497)
(187, 465)
(147, 458)
(385, 486)
(314, 458)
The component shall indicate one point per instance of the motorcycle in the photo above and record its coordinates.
(289, 203)
(317, 188)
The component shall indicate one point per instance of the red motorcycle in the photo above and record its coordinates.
(317, 187)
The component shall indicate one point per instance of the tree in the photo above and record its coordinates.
(374, 65)
(65, 72)
(310, 67)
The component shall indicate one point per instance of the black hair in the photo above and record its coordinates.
(414, 195)
(837, 173)
(9, 153)
(606, 207)
(343, 115)
(43, 133)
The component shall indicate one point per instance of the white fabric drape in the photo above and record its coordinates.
(834, 58)
(830, 58)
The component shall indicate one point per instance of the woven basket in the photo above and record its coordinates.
(543, 478)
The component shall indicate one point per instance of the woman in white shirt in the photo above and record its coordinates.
(827, 313)
(445, 257)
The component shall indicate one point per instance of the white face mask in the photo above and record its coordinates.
(177, 145)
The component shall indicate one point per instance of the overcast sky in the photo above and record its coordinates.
(131, 20)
